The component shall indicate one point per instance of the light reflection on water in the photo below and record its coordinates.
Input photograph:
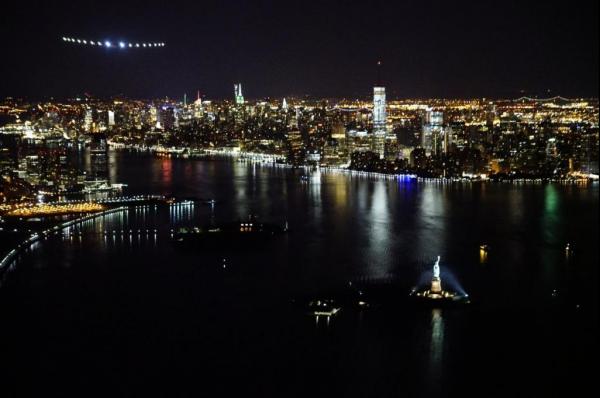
(342, 229)
(379, 233)
(436, 344)
(345, 227)
(432, 221)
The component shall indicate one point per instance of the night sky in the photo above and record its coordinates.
(318, 48)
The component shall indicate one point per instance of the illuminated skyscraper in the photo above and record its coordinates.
(379, 117)
(379, 112)
(432, 135)
(239, 97)
(379, 121)
(111, 118)
(153, 115)
(87, 121)
(198, 111)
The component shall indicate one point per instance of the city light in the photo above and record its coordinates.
(52, 209)
(293, 199)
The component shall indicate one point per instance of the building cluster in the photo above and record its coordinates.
(518, 138)
(49, 150)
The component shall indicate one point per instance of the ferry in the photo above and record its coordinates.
(326, 307)
(95, 186)
(231, 234)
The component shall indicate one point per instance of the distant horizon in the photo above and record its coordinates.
(309, 97)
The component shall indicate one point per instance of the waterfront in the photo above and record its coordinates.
(130, 312)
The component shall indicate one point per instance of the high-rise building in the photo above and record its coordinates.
(111, 118)
(392, 150)
(98, 157)
(432, 135)
(296, 147)
(167, 117)
(239, 97)
(357, 141)
(294, 120)
(379, 111)
(379, 121)
(153, 115)
(87, 121)
(198, 111)
(9, 150)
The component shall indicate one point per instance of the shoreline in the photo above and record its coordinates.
(270, 161)
(8, 259)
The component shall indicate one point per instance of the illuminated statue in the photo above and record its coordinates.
(436, 268)
(435, 292)
(436, 282)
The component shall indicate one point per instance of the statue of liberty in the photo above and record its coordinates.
(436, 268)
(436, 282)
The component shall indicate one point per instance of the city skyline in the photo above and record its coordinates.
(299, 199)
(433, 51)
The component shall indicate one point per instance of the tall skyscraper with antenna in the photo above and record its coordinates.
(379, 116)
(198, 111)
(237, 92)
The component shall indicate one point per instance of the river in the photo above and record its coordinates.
(128, 314)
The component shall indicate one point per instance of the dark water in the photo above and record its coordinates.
(132, 315)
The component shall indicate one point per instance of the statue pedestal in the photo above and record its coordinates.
(436, 285)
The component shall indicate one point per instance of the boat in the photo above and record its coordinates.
(325, 307)
(330, 302)
(93, 186)
(237, 234)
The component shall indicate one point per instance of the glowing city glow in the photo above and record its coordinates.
(50, 208)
